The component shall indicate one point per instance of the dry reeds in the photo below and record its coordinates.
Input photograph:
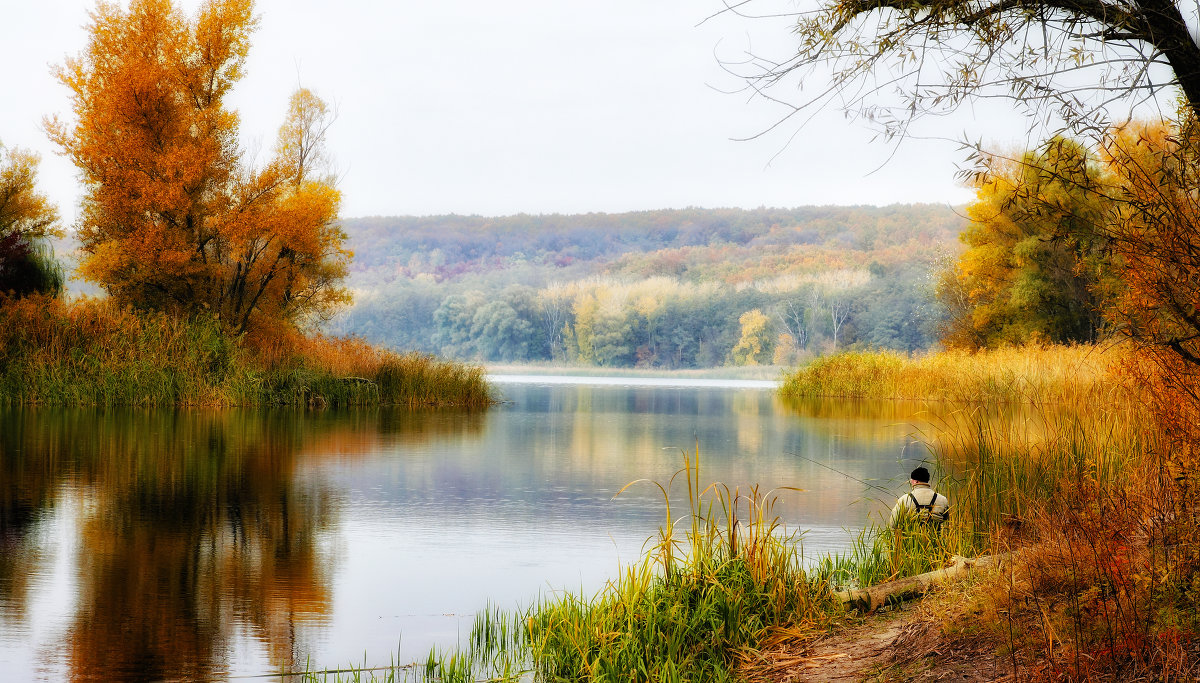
(1030, 374)
(1107, 580)
(92, 352)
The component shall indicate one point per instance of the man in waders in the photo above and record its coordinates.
(922, 504)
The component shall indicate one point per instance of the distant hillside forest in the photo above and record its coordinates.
(653, 289)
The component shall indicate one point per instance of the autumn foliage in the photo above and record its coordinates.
(1109, 587)
(173, 218)
(1035, 266)
(26, 218)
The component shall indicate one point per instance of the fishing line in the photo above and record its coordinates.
(837, 471)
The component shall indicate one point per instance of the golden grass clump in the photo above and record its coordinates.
(1030, 374)
(320, 370)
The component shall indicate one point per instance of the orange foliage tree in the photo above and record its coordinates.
(26, 218)
(1154, 232)
(173, 219)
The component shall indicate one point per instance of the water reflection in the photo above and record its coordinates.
(147, 545)
(191, 528)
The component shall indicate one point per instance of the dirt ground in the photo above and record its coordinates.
(899, 644)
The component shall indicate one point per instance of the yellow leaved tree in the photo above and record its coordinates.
(27, 218)
(753, 348)
(173, 218)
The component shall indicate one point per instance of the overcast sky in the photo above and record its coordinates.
(536, 106)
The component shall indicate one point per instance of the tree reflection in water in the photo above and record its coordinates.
(193, 528)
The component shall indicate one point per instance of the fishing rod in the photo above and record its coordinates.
(837, 471)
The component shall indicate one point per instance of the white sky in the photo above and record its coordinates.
(537, 106)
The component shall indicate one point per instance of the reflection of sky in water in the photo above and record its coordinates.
(395, 527)
(525, 506)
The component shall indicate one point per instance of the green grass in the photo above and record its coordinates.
(696, 607)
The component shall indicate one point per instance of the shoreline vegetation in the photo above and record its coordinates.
(1032, 374)
(1073, 480)
(94, 352)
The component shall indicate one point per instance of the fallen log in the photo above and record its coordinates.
(868, 599)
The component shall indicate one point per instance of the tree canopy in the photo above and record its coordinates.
(173, 219)
(1035, 266)
(1074, 56)
(650, 289)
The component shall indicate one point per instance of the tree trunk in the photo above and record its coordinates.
(1169, 33)
(869, 599)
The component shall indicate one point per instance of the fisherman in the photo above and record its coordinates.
(923, 503)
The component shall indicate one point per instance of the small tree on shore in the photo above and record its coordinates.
(754, 347)
(27, 218)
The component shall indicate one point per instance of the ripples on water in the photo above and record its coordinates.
(196, 544)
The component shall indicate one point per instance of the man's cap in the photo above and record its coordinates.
(920, 474)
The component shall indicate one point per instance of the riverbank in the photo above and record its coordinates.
(93, 353)
(1092, 482)
(905, 642)
(1105, 586)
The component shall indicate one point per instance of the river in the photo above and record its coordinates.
(205, 544)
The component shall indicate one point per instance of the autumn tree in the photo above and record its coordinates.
(1153, 230)
(173, 218)
(754, 346)
(1037, 264)
(27, 218)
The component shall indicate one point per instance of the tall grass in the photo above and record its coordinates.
(338, 371)
(93, 353)
(1031, 374)
(716, 584)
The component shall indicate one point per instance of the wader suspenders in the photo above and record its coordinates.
(925, 508)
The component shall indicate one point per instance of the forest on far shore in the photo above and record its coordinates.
(653, 289)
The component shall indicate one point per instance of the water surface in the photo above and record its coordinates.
(196, 544)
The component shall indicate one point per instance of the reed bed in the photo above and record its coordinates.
(93, 353)
(1106, 581)
(1029, 374)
